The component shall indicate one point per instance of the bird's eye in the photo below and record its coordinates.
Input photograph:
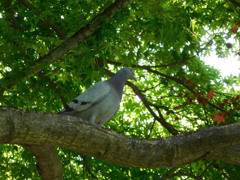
(130, 70)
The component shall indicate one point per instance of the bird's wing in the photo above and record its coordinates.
(91, 96)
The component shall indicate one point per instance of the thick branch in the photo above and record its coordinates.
(49, 165)
(66, 46)
(229, 154)
(25, 127)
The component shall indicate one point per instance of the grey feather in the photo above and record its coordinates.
(101, 102)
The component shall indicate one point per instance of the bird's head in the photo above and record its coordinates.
(128, 72)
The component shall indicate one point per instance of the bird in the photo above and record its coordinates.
(101, 102)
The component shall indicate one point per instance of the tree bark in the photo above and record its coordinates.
(36, 128)
(227, 154)
(49, 165)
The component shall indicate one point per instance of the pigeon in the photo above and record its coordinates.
(101, 102)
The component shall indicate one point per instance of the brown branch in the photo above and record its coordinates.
(49, 165)
(151, 128)
(26, 127)
(229, 154)
(10, 80)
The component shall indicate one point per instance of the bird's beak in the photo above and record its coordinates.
(134, 78)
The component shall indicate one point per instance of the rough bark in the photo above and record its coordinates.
(36, 128)
(49, 165)
(228, 154)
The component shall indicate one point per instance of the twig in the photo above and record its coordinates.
(151, 129)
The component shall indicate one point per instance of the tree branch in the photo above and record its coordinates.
(26, 127)
(159, 118)
(49, 165)
(229, 154)
(81, 35)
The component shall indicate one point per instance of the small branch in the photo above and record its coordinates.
(151, 128)
(206, 169)
(161, 107)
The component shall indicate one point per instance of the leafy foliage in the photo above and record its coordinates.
(162, 40)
